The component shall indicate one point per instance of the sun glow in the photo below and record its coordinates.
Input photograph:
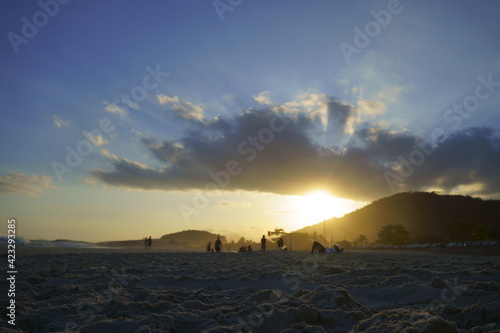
(320, 205)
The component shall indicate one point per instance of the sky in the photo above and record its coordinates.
(124, 119)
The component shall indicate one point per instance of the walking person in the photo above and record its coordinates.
(150, 241)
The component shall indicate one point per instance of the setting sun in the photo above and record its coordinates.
(317, 206)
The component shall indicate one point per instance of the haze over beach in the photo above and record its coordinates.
(373, 125)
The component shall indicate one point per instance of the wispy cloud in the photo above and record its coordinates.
(59, 122)
(96, 139)
(390, 94)
(183, 109)
(263, 98)
(235, 203)
(113, 108)
(371, 107)
(25, 185)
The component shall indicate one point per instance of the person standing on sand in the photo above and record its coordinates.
(208, 247)
(218, 245)
(280, 243)
(145, 243)
(150, 241)
(263, 243)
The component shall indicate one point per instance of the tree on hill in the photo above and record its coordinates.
(242, 241)
(479, 232)
(458, 230)
(393, 234)
(360, 240)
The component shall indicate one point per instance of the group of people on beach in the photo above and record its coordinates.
(263, 242)
(217, 246)
(245, 249)
(316, 247)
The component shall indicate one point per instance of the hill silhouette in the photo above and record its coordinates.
(428, 217)
(193, 238)
(177, 240)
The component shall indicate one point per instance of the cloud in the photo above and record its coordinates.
(309, 103)
(25, 185)
(60, 122)
(183, 109)
(113, 108)
(235, 204)
(272, 151)
(341, 118)
(263, 98)
(96, 139)
(467, 162)
(371, 107)
(163, 99)
(390, 94)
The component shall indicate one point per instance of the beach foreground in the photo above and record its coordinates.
(380, 291)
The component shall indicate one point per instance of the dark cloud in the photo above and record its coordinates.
(470, 157)
(275, 152)
(339, 115)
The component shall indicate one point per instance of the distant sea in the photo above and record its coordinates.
(46, 243)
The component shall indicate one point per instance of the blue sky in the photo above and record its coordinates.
(217, 82)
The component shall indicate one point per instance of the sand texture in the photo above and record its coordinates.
(357, 291)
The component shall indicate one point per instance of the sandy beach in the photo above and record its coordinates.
(359, 291)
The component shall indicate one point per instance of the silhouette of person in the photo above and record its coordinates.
(317, 247)
(337, 249)
(208, 247)
(150, 241)
(280, 243)
(218, 245)
(263, 243)
(145, 243)
(249, 249)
